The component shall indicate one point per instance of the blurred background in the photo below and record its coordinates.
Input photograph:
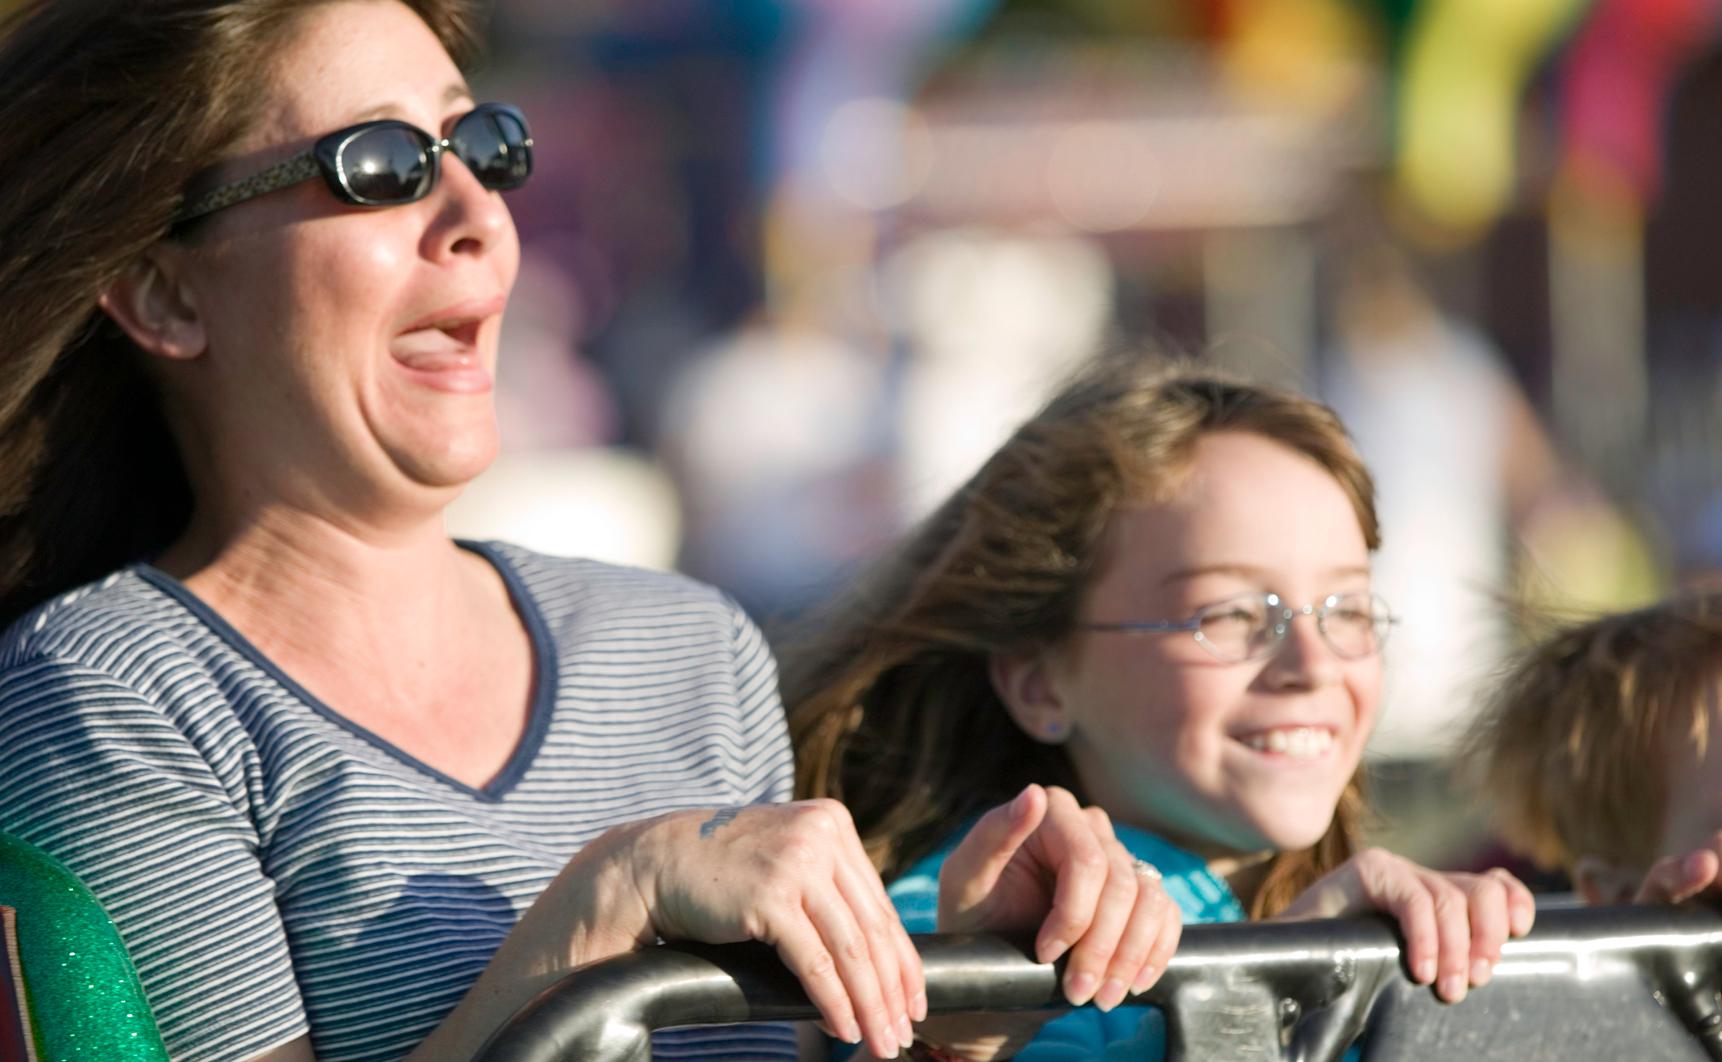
(793, 267)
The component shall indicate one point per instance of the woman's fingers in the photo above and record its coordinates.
(805, 955)
(871, 896)
(795, 876)
(843, 939)
(881, 930)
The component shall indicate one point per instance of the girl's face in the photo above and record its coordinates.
(1226, 758)
(347, 353)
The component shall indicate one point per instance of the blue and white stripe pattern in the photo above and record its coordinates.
(275, 869)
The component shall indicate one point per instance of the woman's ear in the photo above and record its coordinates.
(155, 308)
(1601, 882)
(1024, 683)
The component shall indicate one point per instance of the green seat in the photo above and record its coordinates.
(80, 997)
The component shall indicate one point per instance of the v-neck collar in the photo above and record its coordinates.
(544, 673)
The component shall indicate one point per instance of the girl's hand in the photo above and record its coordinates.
(791, 875)
(1454, 924)
(1676, 878)
(1043, 861)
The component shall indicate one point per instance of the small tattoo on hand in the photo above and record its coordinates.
(720, 818)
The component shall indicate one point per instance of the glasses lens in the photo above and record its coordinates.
(1238, 628)
(1355, 624)
(387, 165)
(493, 144)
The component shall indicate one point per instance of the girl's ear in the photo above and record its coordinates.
(155, 308)
(1601, 882)
(1023, 682)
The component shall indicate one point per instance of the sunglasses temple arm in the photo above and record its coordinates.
(301, 167)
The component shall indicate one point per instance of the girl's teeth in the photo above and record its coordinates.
(1298, 743)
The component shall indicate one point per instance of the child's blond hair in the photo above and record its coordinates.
(1573, 749)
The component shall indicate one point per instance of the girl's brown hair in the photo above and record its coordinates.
(107, 109)
(1572, 750)
(890, 703)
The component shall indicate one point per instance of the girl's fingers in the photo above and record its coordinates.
(1676, 878)
(1452, 910)
(1390, 885)
(1165, 943)
(1082, 867)
(1521, 905)
(1091, 957)
(1133, 968)
(1487, 896)
(974, 867)
(844, 942)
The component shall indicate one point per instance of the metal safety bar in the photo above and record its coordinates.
(1587, 983)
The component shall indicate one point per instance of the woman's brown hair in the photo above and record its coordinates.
(890, 703)
(108, 108)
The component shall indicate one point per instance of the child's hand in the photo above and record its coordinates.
(1454, 924)
(1043, 861)
(1676, 878)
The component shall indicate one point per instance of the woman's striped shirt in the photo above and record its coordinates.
(276, 870)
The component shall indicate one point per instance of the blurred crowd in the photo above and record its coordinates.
(792, 267)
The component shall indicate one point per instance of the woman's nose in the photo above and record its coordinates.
(470, 218)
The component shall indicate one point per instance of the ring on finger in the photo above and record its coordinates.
(1145, 869)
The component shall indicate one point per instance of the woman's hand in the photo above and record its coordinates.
(1454, 924)
(1044, 862)
(1673, 879)
(794, 876)
(791, 875)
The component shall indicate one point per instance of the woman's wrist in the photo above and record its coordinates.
(593, 910)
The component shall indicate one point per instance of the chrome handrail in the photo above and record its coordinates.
(1586, 983)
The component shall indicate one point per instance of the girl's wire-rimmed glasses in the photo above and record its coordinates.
(1252, 626)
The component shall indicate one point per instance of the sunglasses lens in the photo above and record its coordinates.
(493, 144)
(387, 165)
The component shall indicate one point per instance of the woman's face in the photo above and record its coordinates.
(349, 352)
(1226, 758)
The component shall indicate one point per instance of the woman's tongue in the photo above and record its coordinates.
(433, 350)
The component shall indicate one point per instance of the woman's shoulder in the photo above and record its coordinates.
(107, 624)
(562, 587)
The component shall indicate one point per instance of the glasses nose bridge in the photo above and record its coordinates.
(1283, 615)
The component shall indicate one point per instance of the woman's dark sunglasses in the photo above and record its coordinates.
(390, 162)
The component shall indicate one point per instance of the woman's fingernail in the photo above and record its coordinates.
(886, 1046)
(1481, 971)
(851, 1033)
(1111, 994)
(1693, 865)
(1145, 979)
(918, 1007)
(1052, 950)
(1452, 988)
(905, 1031)
(1425, 972)
(1079, 988)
